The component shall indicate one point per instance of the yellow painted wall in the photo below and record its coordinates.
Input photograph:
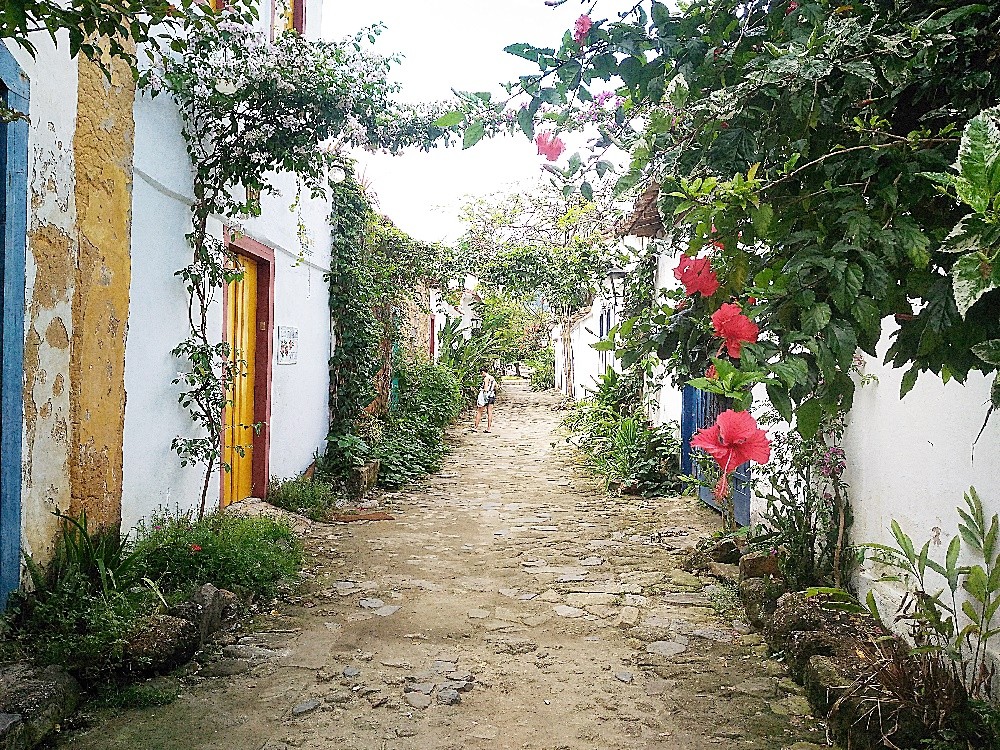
(102, 148)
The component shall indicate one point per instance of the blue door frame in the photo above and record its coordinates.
(13, 228)
(699, 409)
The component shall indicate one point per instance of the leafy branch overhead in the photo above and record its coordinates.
(791, 143)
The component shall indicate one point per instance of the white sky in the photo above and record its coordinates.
(450, 44)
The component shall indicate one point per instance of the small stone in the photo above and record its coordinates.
(741, 627)
(306, 706)
(535, 620)
(371, 603)
(552, 596)
(479, 614)
(587, 600)
(665, 648)
(388, 609)
(395, 663)
(351, 672)
(635, 600)
(418, 700)
(419, 687)
(592, 562)
(339, 697)
(625, 677)
(442, 665)
(684, 579)
(460, 676)
(628, 616)
(751, 639)
(448, 697)
(406, 731)
(566, 611)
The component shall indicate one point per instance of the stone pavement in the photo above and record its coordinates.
(510, 604)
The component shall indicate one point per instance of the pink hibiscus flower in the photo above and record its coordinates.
(734, 328)
(696, 275)
(549, 145)
(581, 28)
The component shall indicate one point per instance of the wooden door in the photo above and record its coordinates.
(241, 334)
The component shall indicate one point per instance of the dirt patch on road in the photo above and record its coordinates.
(509, 605)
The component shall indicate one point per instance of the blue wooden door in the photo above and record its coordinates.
(13, 231)
(699, 409)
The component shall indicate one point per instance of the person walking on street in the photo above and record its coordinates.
(484, 402)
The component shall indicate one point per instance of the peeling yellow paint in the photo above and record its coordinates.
(102, 147)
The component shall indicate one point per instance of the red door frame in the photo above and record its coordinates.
(263, 256)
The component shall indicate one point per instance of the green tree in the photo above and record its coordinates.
(791, 141)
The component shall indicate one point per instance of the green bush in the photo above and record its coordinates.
(248, 555)
(628, 452)
(308, 497)
(68, 623)
(543, 370)
(410, 441)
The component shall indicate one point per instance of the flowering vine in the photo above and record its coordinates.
(251, 108)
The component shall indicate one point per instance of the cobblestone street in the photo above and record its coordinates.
(509, 604)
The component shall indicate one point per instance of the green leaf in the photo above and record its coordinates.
(988, 351)
(780, 400)
(527, 122)
(473, 134)
(807, 417)
(587, 190)
(451, 118)
(972, 276)
(815, 318)
(791, 370)
(977, 153)
(909, 380)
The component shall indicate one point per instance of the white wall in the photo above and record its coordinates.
(912, 459)
(53, 81)
(162, 196)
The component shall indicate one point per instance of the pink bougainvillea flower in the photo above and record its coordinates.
(195, 548)
(581, 28)
(549, 145)
(733, 440)
(711, 373)
(792, 7)
(696, 275)
(734, 328)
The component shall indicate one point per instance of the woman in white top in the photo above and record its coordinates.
(487, 397)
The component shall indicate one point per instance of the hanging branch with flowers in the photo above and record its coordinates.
(795, 169)
(252, 108)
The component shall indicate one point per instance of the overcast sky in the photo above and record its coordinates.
(450, 44)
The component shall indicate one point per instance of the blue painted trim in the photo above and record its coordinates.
(688, 397)
(14, 172)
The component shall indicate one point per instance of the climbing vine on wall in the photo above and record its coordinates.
(251, 108)
(374, 269)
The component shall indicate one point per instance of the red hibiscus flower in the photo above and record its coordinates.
(195, 548)
(711, 373)
(696, 275)
(549, 145)
(581, 28)
(735, 328)
(733, 440)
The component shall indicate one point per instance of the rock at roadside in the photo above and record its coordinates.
(759, 565)
(218, 608)
(449, 697)
(33, 702)
(724, 551)
(725, 572)
(161, 643)
(760, 599)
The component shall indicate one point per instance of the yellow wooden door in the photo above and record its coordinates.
(241, 333)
